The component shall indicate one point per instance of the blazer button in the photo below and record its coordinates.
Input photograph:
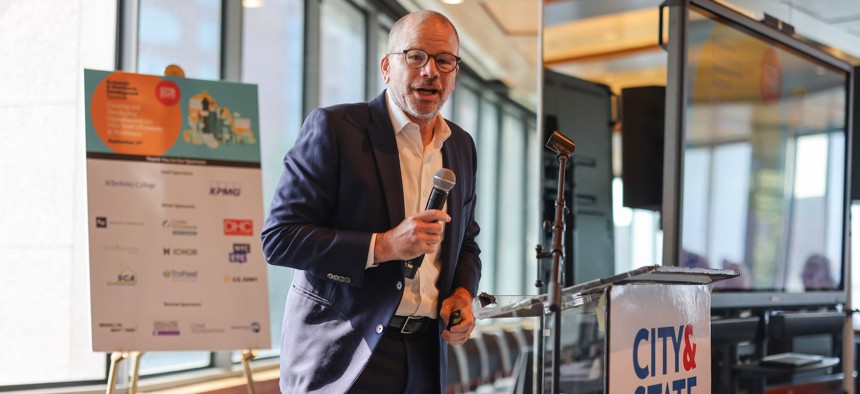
(347, 280)
(399, 285)
(329, 275)
(379, 328)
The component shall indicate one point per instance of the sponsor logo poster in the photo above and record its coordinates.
(659, 339)
(175, 210)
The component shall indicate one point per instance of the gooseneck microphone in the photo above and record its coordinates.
(443, 181)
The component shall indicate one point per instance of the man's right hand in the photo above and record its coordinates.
(416, 235)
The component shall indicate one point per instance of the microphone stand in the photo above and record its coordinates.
(563, 147)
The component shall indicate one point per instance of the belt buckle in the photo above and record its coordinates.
(403, 329)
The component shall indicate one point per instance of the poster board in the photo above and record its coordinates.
(659, 339)
(175, 210)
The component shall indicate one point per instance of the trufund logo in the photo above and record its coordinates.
(180, 275)
(241, 227)
(230, 189)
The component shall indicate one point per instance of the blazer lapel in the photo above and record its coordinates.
(455, 199)
(387, 160)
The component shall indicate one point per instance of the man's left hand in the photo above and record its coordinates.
(461, 300)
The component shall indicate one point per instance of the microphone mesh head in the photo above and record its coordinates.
(444, 179)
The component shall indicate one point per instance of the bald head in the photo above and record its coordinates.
(420, 89)
(404, 25)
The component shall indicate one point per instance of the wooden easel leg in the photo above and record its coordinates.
(115, 359)
(247, 356)
(134, 374)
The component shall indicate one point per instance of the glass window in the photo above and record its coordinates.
(152, 363)
(342, 53)
(186, 33)
(510, 260)
(381, 50)
(44, 296)
(488, 159)
(273, 39)
(467, 105)
(533, 188)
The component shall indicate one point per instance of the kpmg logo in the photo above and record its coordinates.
(185, 252)
(125, 277)
(228, 189)
(242, 227)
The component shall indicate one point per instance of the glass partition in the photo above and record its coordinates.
(764, 153)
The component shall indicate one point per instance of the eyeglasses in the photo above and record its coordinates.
(417, 58)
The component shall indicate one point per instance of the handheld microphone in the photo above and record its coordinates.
(443, 181)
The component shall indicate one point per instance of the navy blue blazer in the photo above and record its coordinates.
(342, 183)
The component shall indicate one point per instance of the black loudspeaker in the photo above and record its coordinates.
(642, 120)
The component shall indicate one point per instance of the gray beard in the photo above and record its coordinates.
(411, 112)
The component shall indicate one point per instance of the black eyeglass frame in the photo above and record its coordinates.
(427, 59)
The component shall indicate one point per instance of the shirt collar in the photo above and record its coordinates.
(399, 121)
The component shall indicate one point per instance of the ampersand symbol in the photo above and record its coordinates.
(689, 349)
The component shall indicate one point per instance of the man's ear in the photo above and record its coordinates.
(384, 65)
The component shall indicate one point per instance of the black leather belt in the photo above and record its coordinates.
(407, 325)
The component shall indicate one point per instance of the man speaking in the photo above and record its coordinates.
(349, 215)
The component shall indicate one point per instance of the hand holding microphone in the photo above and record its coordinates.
(443, 181)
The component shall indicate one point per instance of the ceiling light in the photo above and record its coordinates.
(253, 3)
(452, 1)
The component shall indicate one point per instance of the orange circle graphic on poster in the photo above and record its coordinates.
(136, 114)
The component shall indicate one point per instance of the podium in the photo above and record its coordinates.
(646, 331)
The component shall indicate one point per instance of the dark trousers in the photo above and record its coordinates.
(402, 364)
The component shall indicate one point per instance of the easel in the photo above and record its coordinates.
(116, 358)
(247, 356)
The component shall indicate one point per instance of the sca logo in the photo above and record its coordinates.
(228, 189)
(243, 227)
(660, 351)
(125, 277)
